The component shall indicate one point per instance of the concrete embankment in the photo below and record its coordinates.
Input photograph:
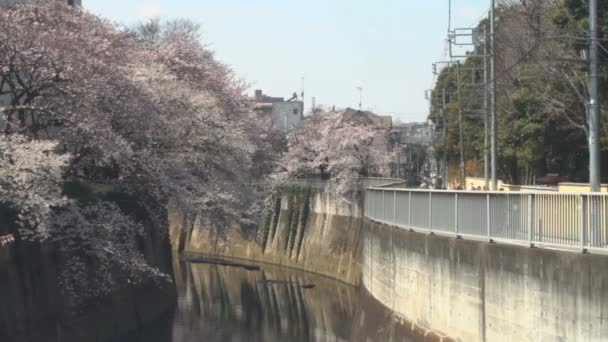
(309, 230)
(437, 286)
(33, 306)
(475, 291)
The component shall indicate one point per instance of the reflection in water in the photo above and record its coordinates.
(220, 303)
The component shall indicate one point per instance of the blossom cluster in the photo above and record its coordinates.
(147, 112)
(342, 146)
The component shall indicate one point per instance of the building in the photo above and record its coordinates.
(414, 133)
(414, 150)
(285, 114)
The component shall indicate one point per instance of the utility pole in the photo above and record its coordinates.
(360, 97)
(493, 91)
(594, 101)
(460, 123)
(445, 140)
(429, 96)
(302, 94)
(455, 39)
(486, 164)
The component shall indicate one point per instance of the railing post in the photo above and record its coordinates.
(431, 211)
(409, 211)
(375, 205)
(582, 223)
(383, 208)
(395, 208)
(488, 217)
(456, 213)
(530, 221)
(365, 204)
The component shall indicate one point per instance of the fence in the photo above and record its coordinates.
(364, 182)
(570, 221)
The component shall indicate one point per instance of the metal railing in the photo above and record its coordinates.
(365, 183)
(565, 221)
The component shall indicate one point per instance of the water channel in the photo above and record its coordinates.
(268, 303)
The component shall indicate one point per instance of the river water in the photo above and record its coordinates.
(232, 303)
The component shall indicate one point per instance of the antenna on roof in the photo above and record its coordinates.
(302, 94)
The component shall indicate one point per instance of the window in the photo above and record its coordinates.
(295, 111)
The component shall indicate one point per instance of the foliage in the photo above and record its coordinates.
(342, 146)
(30, 182)
(148, 113)
(542, 91)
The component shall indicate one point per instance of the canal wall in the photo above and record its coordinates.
(34, 308)
(308, 229)
(437, 286)
(476, 291)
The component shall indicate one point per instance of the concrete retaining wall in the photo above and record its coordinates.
(33, 306)
(470, 291)
(310, 230)
(475, 291)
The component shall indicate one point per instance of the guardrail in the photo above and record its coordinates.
(365, 182)
(548, 220)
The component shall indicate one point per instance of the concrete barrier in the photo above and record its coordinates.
(310, 229)
(476, 291)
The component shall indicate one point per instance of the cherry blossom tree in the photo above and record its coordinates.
(218, 134)
(30, 180)
(343, 146)
(31, 177)
(152, 115)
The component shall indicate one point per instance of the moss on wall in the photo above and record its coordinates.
(301, 232)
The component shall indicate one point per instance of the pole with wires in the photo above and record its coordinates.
(463, 175)
(493, 93)
(445, 139)
(594, 102)
(486, 136)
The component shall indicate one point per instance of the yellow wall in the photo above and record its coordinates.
(474, 183)
(578, 187)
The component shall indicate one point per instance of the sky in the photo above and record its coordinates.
(386, 47)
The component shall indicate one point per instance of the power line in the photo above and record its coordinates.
(580, 35)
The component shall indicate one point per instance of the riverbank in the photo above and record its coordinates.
(309, 229)
(34, 307)
(478, 291)
(438, 286)
(273, 303)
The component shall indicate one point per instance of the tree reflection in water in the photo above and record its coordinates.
(221, 303)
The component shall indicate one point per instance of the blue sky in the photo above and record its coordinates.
(384, 46)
